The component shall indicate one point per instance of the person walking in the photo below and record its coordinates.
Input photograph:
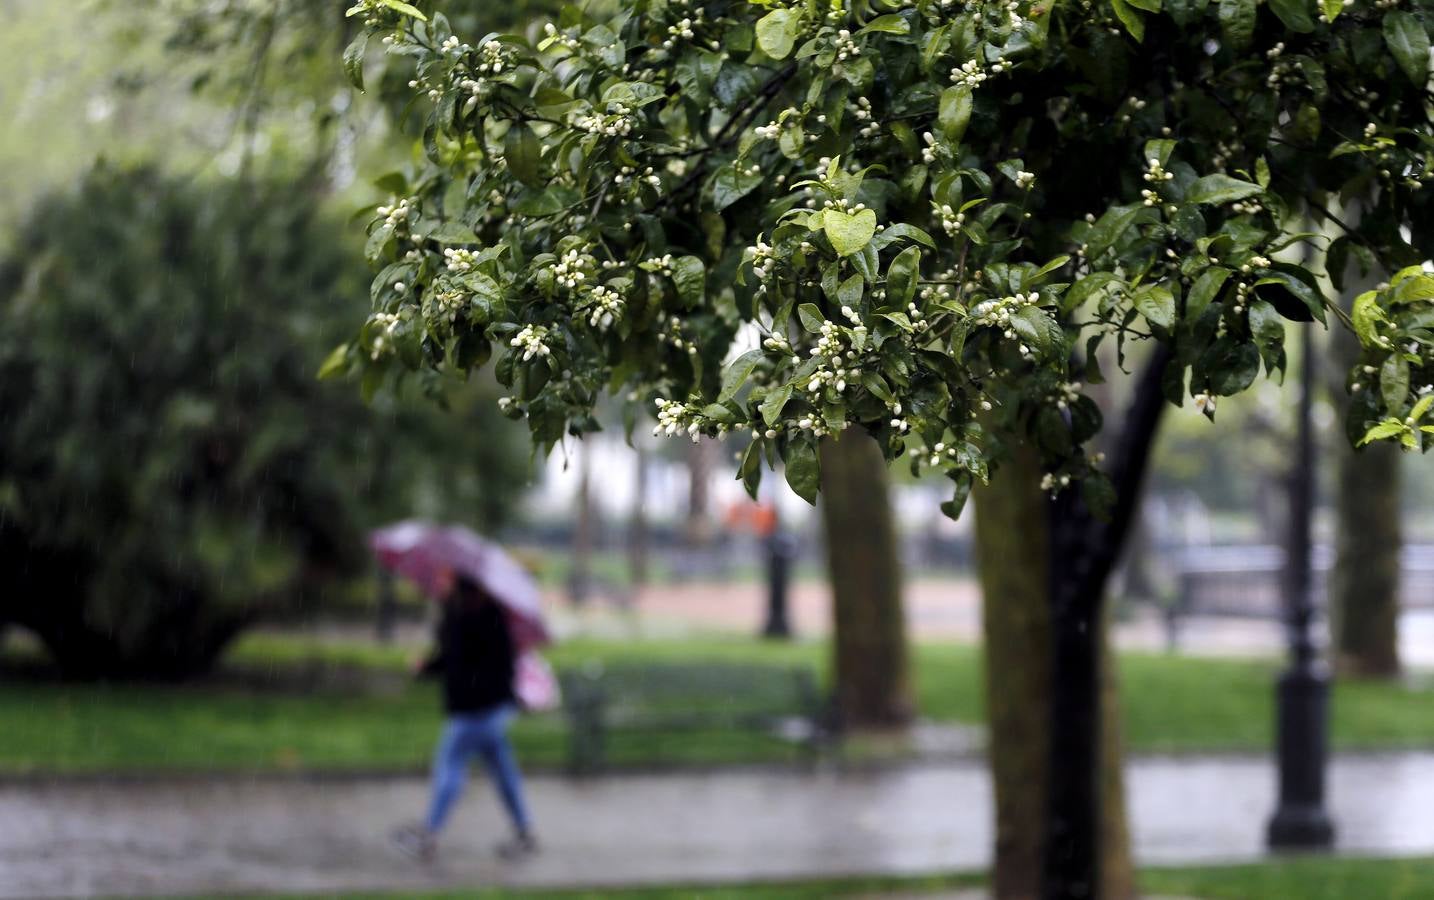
(475, 658)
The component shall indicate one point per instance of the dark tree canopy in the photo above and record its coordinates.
(170, 468)
(911, 213)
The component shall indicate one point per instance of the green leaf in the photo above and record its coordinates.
(1221, 189)
(1039, 329)
(1237, 21)
(849, 292)
(1296, 14)
(523, 154)
(1052, 432)
(803, 470)
(353, 59)
(1311, 303)
(1108, 228)
(1413, 289)
(1085, 288)
(1159, 149)
(1267, 327)
(336, 363)
(900, 230)
(1394, 383)
(1386, 429)
(1365, 313)
(902, 277)
(1205, 289)
(954, 112)
(750, 470)
(1157, 304)
(777, 32)
(811, 317)
(952, 508)
(1406, 38)
(731, 184)
(690, 277)
(736, 373)
(405, 8)
(888, 24)
(1332, 8)
(774, 402)
(1132, 20)
(849, 232)
(1421, 407)
(1232, 367)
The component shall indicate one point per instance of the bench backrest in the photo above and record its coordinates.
(687, 688)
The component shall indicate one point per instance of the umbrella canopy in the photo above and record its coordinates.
(420, 551)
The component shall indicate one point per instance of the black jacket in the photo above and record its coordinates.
(475, 657)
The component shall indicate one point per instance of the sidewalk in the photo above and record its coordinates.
(158, 837)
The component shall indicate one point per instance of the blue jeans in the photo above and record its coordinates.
(482, 734)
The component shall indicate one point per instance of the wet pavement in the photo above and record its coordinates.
(148, 838)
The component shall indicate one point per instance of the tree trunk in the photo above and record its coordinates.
(1016, 621)
(1012, 554)
(580, 578)
(873, 680)
(1364, 583)
(1083, 552)
(637, 525)
(699, 469)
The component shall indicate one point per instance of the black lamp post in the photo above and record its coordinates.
(1301, 820)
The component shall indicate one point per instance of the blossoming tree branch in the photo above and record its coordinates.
(920, 218)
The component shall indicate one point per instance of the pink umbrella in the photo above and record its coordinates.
(420, 551)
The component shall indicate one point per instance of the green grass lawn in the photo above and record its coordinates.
(1171, 704)
(1294, 879)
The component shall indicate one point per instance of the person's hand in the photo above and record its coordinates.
(416, 663)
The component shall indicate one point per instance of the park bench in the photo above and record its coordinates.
(651, 702)
(1246, 582)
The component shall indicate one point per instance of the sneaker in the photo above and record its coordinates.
(518, 847)
(415, 842)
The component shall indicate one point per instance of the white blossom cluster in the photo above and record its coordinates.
(460, 260)
(969, 74)
(573, 269)
(532, 340)
(997, 313)
(931, 148)
(1067, 393)
(1053, 483)
(672, 334)
(846, 47)
(861, 112)
(682, 30)
(389, 323)
(628, 173)
(658, 265)
(396, 214)
(951, 220)
(763, 259)
(837, 363)
(449, 304)
(619, 122)
(552, 36)
(604, 306)
(1155, 174)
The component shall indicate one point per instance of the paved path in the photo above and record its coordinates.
(151, 838)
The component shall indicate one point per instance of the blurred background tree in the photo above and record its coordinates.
(170, 469)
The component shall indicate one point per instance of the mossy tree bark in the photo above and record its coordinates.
(1364, 583)
(871, 661)
(1012, 552)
